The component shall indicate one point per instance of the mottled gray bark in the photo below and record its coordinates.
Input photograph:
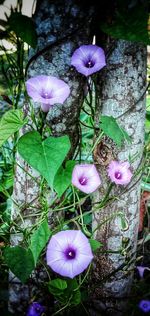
(62, 26)
(122, 86)
(26, 203)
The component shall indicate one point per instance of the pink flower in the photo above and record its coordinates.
(86, 178)
(88, 59)
(47, 90)
(69, 253)
(119, 172)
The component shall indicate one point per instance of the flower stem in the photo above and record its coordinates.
(105, 221)
(81, 215)
(108, 192)
(88, 270)
(64, 307)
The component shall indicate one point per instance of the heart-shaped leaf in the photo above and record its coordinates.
(63, 177)
(20, 261)
(39, 239)
(47, 156)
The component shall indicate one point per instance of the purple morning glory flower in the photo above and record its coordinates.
(86, 178)
(47, 90)
(35, 309)
(69, 253)
(141, 270)
(119, 172)
(144, 305)
(88, 59)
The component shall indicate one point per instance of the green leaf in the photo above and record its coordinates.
(87, 219)
(24, 27)
(76, 299)
(130, 25)
(8, 179)
(111, 128)
(65, 291)
(4, 229)
(10, 123)
(46, 156)
(63, 178)
(71, 291)
(39, 239)
(57, 286)
(20, 261)
(125, 134)
(95, 244)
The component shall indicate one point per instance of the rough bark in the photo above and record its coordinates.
(122, 92)
(62, 26)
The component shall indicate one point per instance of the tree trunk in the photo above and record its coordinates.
(122, 93)
(62, 26)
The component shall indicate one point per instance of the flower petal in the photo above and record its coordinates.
(58, 246)
(47, 90)
(122, 168)
(86, 53)
(79, 265)
(90, 174)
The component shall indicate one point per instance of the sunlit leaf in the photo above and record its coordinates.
(10, 123)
